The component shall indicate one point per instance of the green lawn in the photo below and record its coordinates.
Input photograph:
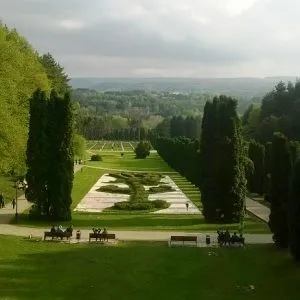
(113, 160)
(47, 270)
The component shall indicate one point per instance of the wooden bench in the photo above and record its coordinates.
(101, 236)
(60, 235)
(183, 238)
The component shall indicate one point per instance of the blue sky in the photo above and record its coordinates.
(154, 38)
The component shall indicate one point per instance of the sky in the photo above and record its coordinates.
(162, 38)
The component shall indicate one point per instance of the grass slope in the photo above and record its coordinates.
(46, 270)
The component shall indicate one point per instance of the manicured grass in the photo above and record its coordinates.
(47, 270)
(113, 160)
(83, 181)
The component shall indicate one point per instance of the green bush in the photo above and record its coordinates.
(160, 204)
(134, 205)
(138, 193)
(114, 189)
(96, 157)
(163, 188)
(142, 150)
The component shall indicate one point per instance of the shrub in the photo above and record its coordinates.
(96, 157)
(134, 205)
(161, 204)
(114, 189)
(142, 150)
(163, 188)
(138, 193)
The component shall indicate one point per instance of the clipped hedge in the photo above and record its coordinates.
(96, 157)
(163, 188)
(114, 189)
(161, 204)
(133, 205)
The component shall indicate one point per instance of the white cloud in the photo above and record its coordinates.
(71, 24)
(163, 37)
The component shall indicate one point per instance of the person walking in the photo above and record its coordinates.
(187, 206)
(13, 203)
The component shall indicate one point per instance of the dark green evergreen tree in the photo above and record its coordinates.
(281, 166)
(223, 183)
(294, 214)
(36, 154)
(142, 150)
(208, 182)
(61, 156)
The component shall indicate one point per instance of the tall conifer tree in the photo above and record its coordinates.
(294, 214)
(281, 165)
(36, 154)
(223, 183)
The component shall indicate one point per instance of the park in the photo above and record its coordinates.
(144, 188)
(28, 265)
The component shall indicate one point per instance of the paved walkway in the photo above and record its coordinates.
(162, 236)
(260, 211)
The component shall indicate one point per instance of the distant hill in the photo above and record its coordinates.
(237, 87)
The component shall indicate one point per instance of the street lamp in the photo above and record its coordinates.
(19, 185)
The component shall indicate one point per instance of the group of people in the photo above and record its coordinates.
(78, 161)
(224, 238)
(2, 202)
(60, 229)
(98, 231)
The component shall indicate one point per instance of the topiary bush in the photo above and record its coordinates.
(114, 189)
(142, 150)
(96, 157)
(161, 204)
(163, 188)
(134, 205)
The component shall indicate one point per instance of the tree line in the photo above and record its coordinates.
(22, 71)
(228, 162)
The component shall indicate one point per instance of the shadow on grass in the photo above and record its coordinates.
(39, 270)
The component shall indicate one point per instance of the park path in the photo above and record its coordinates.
(259, 210)
(151, 236)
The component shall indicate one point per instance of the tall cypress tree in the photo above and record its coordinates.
(208, 184)
(294, 213)
(61, 156)
(222, 162)
(36, 154)
(281, 165)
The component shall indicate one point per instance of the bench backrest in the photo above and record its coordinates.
(186, 238)
(101, 235)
